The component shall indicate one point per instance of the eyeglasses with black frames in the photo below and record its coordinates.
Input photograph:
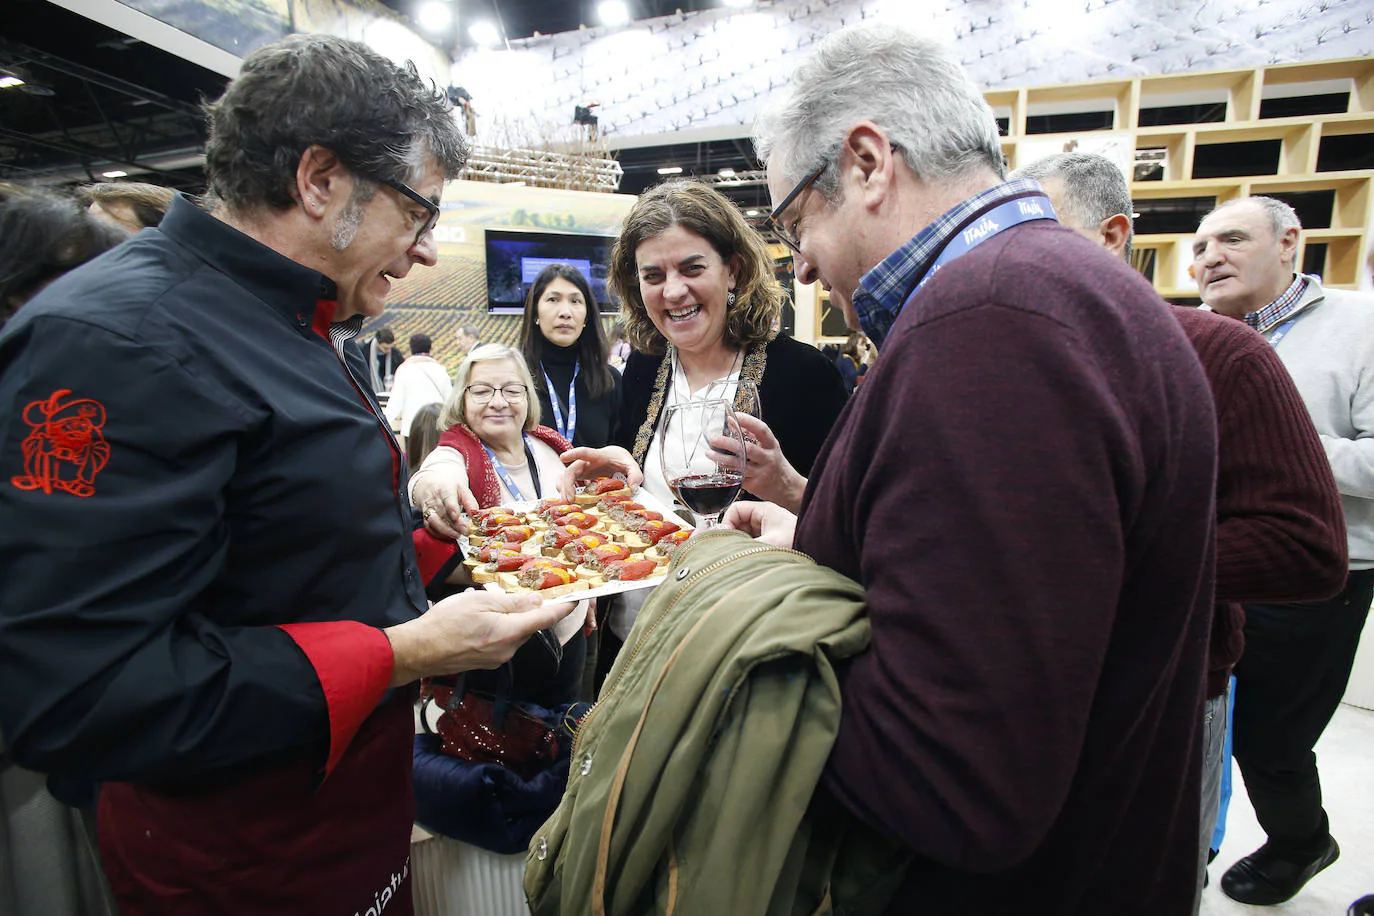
(481, 394)
(430, 206)
(785, 233)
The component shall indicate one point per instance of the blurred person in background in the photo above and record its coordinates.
(42, 236)
(131, 205)
(620, 346)
(420, 380)
(467, 337)
(853, 361)
(382, 358)
(424, 435)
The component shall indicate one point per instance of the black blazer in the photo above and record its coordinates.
(801, 394)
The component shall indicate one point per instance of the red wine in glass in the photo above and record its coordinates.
(707, 494)
(702, 454)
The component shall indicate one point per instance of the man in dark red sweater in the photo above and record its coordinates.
(1024, 487)
(1280, 528)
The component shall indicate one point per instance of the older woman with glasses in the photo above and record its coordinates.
(492, 452)
(495, 450)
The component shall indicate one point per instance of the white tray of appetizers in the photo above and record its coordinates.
(605, 541)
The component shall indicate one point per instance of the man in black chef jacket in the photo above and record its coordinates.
(208, 593)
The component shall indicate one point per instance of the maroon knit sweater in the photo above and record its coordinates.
(1280, 528)
(1024, 487)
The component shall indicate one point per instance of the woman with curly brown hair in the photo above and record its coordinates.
(701, 307)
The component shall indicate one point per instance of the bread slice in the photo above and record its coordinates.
(548, 594)
(592, 577)
(633, 540)
(577, 585)
(591, 499)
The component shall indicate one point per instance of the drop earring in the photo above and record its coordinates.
(730, 299)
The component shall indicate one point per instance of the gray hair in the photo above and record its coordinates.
(455, 408)
(1094, 189)
(913, 88)
(1282, 217)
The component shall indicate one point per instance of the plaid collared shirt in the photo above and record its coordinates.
(885, 289)
(1280, 308)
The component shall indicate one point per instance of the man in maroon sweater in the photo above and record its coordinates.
(1280, 528)
(1024, 486)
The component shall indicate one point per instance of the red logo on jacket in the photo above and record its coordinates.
(65, 449)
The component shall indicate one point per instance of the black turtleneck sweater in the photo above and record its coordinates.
(595, 417)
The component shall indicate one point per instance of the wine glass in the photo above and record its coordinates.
(702, 457)
(742, 394)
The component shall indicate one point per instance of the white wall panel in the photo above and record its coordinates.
(712, 69)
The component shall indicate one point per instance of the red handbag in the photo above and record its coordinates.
(480, 729)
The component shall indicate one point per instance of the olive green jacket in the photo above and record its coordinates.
(692, 777)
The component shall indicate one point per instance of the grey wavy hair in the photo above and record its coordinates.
(1282, 217)
(455, 408)
(1094, 189)
(914, 88)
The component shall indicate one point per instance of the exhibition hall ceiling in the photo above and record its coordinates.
(678, 87)
(100, 96)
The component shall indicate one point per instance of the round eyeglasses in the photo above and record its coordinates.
(483, 393)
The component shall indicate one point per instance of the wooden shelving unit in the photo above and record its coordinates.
(1241, 94)
(1236, 100)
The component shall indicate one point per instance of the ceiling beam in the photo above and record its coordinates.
(155, 32)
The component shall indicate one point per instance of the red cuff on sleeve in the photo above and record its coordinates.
(354, 663)
(437, 559)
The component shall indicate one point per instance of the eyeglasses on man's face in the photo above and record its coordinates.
(786, 233)
(483, 393)
(431, 208)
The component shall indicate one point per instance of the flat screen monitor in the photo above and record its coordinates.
(515, 258)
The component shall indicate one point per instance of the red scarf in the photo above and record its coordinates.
(437, 558)
(483, 483)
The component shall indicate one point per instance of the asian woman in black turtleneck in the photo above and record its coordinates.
(565, 348)
(562, 340)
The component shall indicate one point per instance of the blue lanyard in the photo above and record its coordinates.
(1282, 330)
(565, 431)
(509, 481)
(998, 219)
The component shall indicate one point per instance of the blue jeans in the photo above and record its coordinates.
(1214, 760)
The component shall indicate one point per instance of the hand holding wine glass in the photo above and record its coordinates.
(742, 394)
(768, 474)
(704, 478)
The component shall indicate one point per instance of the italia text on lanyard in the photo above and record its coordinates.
(979, 228)
(509, 481)
(565, 431)
(1282, 330)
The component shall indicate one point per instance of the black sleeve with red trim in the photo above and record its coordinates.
(126, 653)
